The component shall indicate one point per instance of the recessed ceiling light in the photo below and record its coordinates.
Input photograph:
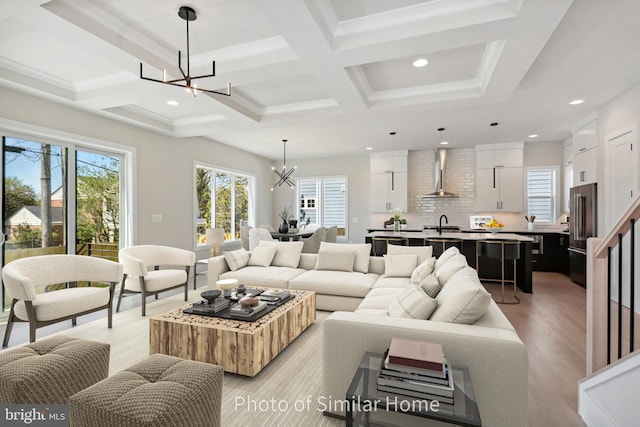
(444, 142)
(172, 102)
(369, 148)
(533, 135)
(576, 102)
(420, 62)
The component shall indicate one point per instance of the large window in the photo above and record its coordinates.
(223, 200)
(59, 198)
(323, 201)
(542, 194)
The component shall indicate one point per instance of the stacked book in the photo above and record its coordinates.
(238, 311)
(203, 307)
(414, 369)
(275, 295)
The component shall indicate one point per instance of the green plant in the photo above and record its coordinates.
(285, 213)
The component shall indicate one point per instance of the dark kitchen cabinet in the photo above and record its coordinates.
(550, 252)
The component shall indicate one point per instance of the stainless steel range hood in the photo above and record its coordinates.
(441, 162)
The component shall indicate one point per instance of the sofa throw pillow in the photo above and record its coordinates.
(444, 256)
(423, 252)
(462, 299)
(399, 265)
(262, 256)
(336, 261)
(423, 270)
(451, 267)
(431, 285)
(413, 303)
(362, 251)
(236, 259)
(287, 253)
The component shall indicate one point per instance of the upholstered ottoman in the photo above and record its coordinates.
(51, 370)
(160, 391)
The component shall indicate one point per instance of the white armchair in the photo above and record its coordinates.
(139, 279)
(22, 276)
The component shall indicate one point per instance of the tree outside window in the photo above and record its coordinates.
(223, 201)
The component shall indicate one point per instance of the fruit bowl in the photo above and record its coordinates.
(494, 230)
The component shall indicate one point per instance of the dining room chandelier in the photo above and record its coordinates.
(187, 81)
(284, 176)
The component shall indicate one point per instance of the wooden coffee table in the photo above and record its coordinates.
(243, 348)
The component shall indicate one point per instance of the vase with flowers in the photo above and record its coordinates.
(396, 220)
(284, 214)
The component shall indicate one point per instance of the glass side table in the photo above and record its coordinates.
(364, 400)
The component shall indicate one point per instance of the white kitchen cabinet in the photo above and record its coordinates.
(507, 196)
(584, 138)
(584, 149)
(584, 167)
(567, 173)
(499, 185)
(388, 181)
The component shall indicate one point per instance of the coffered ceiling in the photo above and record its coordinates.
(331, 76)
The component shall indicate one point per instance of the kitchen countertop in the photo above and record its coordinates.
(452, 235)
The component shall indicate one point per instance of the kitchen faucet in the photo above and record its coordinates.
(446, 221)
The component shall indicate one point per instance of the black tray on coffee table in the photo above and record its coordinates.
(201, 308)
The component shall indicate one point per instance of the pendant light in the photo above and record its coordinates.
(493, 125)
(393, 188)
(284, 176)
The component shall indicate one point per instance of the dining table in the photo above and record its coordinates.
(291, 235)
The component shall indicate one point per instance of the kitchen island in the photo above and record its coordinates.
(491, 268)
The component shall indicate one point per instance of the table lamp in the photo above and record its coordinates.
(215, 239)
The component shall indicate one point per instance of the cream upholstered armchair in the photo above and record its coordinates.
(24, 276)
(139, 279)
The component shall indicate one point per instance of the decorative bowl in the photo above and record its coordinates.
(494, 230)
(227, 284)
(211, 295)
(249, 302)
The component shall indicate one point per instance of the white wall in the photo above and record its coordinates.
(164, 165)
(621, 113)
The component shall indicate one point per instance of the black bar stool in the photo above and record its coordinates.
(379, 244)
(503, 250)
(442, 244)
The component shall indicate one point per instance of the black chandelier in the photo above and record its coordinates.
(284, 176)
(188, 14)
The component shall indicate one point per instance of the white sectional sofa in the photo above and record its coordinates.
(389, 301)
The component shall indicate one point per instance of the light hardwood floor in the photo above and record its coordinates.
(551, 322)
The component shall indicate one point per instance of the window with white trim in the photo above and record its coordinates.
(323, 201)
(224, 199)
(542, 194)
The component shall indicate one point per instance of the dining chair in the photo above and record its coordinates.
(257, 234)
(244, 236)
(331, 235)
(311, 245)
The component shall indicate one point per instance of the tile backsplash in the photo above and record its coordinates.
(459, 179)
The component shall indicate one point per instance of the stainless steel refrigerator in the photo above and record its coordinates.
(583, 222)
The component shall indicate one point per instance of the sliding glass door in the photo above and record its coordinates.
(97, 204)
(58, 199)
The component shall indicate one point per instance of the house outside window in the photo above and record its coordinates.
(224, 199)
(542, 193)
(323, 201)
